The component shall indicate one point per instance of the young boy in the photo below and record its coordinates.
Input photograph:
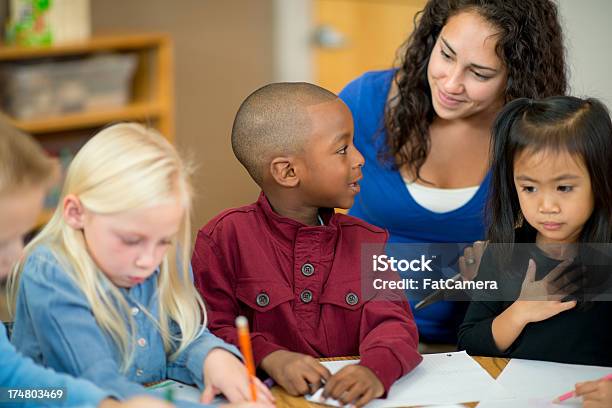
(290, 264)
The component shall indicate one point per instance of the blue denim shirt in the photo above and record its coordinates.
(54, 325)
(17, 371)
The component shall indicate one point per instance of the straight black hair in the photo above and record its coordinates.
(581, 127)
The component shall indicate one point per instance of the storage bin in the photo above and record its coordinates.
(38, 89)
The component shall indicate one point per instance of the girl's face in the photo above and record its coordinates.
(128, 246)
(555, 195)
(465, 74)
(18, 213)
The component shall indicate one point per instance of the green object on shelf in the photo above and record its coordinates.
(28, 25)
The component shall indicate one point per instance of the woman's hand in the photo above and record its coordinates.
(469, 262)
(224, 373)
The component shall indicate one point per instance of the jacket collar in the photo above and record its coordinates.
(287, 229)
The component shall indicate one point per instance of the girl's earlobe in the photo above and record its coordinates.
(73, 212)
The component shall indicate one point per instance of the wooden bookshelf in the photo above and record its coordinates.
(152, 90)
(138, 111)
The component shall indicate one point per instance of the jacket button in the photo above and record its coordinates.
(262, 300)
(307, 269)
(306, 296)
(352, 299)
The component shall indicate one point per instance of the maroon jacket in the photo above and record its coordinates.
(300, 288)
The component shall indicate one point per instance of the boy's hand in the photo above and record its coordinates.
(354, 384)
(297, 373)
(595, 394)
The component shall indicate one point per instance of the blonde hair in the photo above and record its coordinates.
(127, 167)
(23, 162)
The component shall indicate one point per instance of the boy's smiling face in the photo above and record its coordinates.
(331, 164)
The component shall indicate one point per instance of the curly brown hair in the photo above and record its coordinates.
(530, 45)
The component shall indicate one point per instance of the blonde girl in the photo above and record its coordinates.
(105, 290)
(26, 173)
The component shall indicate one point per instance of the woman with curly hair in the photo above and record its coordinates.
(425, 127)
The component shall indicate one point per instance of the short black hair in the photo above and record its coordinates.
(272, 121)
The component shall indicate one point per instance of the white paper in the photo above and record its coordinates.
(536, 383)
(443, 378)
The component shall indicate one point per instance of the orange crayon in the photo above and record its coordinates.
(244, 339)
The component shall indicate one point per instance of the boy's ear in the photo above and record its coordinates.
(74, 212)
(282, 170)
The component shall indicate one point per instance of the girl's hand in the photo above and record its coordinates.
(224, 373)
(595, 394)
(541, 300)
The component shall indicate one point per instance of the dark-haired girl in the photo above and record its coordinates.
(551, 186)
(424, 128)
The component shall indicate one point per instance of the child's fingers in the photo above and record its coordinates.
(299, 381)
(365, 398)
(320, 369)
(557, 271)
(563, 306)
(354, 392)
(263, 391)
(313, 379)
(531, 270)
(208, 394)
(338, 384)
(586, 387)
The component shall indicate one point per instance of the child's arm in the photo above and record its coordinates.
(215, 366)
(388, 340)
(187, 367)
(488, 329)
(215, 281)
(17, 371)
(66, 333)
(388, 348)
(509, 325)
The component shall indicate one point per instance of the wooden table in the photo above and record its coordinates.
(493, 365)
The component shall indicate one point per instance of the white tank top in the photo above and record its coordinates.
(440, 200)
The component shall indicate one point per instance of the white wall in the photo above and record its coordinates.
(588, 35)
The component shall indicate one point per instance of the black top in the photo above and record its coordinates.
(582, 335)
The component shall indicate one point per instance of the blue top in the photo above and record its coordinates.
(17, 371)
(54, 325)
(385, 201)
